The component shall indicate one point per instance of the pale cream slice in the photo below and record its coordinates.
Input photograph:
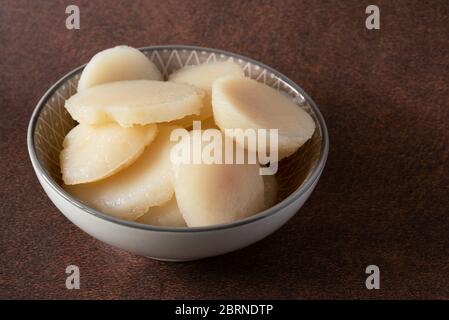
(245, 103)
(135, 102)
(91, 153)
(210, 194)
(202, 76)
(117, 64)
(130, 193)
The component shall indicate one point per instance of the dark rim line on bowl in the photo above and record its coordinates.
(305, 186)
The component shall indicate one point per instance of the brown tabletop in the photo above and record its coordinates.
(383, 198)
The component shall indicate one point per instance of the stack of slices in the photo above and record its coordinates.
(118, 158)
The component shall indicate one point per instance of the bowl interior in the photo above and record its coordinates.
(53, 121)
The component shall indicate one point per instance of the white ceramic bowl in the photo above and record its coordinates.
(297, 175)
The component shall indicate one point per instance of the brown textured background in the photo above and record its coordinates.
(382, 199)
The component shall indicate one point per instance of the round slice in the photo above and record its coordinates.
(243, 103)
(166, 215)
(202, 76)
(131, 192)
(91, 153)
(135, 102)
(117, 64)
(209, 194)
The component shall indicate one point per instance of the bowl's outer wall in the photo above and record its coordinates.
(175, 246)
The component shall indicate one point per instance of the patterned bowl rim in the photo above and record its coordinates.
(295, 195)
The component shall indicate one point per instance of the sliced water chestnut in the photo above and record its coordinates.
(131, 192)
(209, 194)
(91, 153)
(202, 76)
(134, 102)
(247, 104)
(117, 64)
